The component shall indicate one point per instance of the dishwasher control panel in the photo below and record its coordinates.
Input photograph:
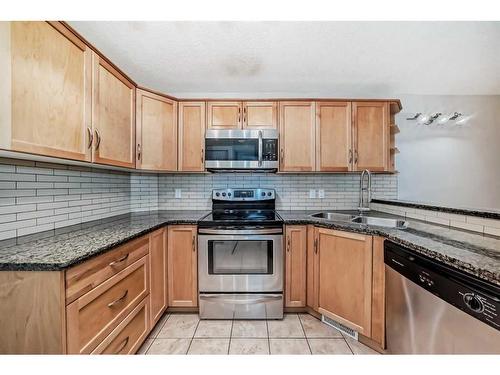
(464, 291)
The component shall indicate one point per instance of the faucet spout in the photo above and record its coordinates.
(364, 205)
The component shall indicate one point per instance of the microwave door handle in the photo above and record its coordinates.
(260, 148)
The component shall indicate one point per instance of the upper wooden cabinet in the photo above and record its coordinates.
(344, 277)
(182, 266)
(371, 135)
(156, 132)
(295, 265)
(242, 115)
(158, 274)
(191, 136)
(297, 136)
(224, 115)
(333, 137)
(113, 115)
(260, 115)
(47, 73)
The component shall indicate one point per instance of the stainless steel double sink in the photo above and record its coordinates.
(361, 219)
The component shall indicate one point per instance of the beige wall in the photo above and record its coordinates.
(449, 164)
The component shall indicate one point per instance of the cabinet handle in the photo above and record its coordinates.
(282, 155)
(202, 156)
(288, 244)
(123, 258)
(119, 300)
(193, 244)
(138, 151)
(239, 115)
(350, 156)
(98, 139)
(244, 115)
(123, 345)
(91, 137)
(316, 246)
(355, 156)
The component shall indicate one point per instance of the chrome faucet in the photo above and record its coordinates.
(365, 205)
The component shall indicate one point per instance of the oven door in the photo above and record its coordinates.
(240, 263)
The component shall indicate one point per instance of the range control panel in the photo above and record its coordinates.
(243, 194)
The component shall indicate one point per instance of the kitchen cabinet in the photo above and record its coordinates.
(47, 75)
(191, 136)
(344, 277)
(224, 115)
(333, 137)
(156, 132)
(158, 274)
(260, 115)
(378, 293)
(371, 136)
(182, 266)
(113, 115)
(295, 265)
(297, 136)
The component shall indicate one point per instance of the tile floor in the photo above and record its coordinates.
(295, 334)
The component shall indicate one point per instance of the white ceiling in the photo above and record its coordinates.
(319, 59)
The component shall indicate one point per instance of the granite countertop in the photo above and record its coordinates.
(58, 251)
(471, 252)
(474, 253)
(478, 212)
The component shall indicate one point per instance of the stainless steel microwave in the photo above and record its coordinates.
(241, 150)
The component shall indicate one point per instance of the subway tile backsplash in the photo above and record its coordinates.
(36, 197)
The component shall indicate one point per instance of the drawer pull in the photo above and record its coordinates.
(119, 300)
(116, 262)
(123, 345)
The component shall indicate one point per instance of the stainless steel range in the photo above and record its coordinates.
(240, 261)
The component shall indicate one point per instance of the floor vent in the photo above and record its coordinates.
(342, 328)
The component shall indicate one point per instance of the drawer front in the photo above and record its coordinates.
(128, 336)
(94, 315)
(86, 276)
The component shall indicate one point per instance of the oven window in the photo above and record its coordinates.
(232, 149)
(249, 257)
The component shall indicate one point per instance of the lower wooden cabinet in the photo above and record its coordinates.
(344, 277)
(158, 274)
(182, 266)
(295, 265)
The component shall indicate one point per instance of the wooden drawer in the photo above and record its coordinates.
(128, 336)
(86, 276)
(94, 315)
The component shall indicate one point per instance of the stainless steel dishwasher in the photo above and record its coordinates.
(432, 308)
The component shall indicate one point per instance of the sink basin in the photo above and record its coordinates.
(334, 216)
(381, 222)
(356, 218)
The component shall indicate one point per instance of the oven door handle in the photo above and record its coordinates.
(236, 301)
(241, 231)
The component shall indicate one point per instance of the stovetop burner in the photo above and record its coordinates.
(242, 207)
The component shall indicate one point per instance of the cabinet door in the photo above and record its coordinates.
(224, 115)
(158, 274)
(312, 268)
(156, 132)
(260, 115)
(182, 266)
(295, 265)
(113, 116)
(371, 135)
(51, 75)
(297, 137)
(345, 278)
(333, 137)
(191, 136)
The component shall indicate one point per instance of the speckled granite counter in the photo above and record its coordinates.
(473, 253)
(57, 251)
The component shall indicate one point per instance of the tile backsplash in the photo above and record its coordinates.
(292, 190)
(36, 196)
